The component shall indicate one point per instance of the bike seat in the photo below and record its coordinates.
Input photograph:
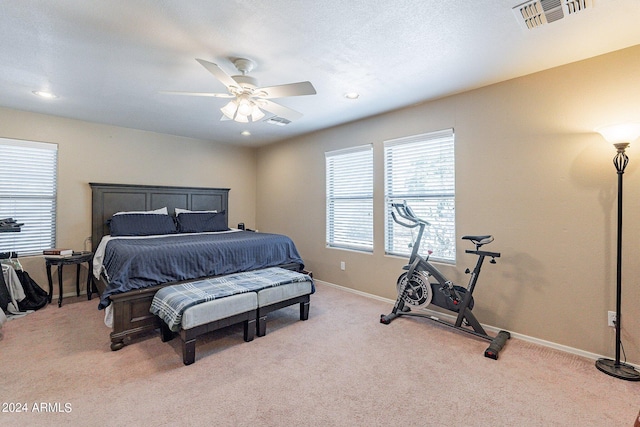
(479, 240)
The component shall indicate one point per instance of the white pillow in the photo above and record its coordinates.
(161, 211)
(179, 211)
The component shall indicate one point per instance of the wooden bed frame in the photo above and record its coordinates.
(130, 310)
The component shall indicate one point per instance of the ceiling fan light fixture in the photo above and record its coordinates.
(241, 109)
(230, 109)
(245, 106)
(241, 118)
(256, 114)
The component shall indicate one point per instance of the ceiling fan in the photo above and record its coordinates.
(248, 100)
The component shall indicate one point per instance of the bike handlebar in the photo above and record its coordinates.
(407, 213)
(395, 218)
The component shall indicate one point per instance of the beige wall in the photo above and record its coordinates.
(529, 170)
(90, 152)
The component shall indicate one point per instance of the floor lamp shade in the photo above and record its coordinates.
(615, 134)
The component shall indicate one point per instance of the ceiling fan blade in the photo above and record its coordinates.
(279, 110)
(281, 91)
(215, 95)
(218, 73)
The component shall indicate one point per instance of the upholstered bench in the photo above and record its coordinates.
(210, 316)
(195, 308)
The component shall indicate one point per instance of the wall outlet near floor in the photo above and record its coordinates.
(611, 318)
(343, 266)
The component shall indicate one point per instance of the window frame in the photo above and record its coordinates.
(434, 204)
(28, 194)
(357, 193)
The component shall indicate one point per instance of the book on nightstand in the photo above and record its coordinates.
(57, 252)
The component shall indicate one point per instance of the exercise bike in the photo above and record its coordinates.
(422, 284)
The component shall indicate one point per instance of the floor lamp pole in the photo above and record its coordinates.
(616, 368)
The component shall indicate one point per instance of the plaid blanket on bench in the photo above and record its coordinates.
(170, 303)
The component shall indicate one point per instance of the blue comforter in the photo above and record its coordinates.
(140, 263)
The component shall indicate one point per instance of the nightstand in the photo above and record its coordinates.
(76, 259)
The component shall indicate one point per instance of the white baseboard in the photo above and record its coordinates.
(534, 340)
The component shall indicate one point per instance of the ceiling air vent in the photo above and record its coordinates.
(278, 121)
(574, 6)
(535, 13)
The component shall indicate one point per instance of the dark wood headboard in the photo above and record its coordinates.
(108, 199)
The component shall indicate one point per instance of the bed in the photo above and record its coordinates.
(146, 264)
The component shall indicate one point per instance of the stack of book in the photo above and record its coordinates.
(55, 252)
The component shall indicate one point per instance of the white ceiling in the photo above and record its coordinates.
(109, 60)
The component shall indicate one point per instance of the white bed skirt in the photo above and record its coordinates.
(108, 316)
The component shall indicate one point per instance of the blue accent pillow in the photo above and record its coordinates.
(141, 225)
(201, 222)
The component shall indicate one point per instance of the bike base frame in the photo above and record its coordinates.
(496, 343)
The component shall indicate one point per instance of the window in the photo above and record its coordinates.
(350, 198)
(28, 176)
(421, 170)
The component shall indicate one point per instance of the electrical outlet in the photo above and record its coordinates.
(343, 266)
(611, 318)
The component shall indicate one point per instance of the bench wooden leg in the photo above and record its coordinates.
(262, 326)
(304, 310)
(249, 329)
(189, 351)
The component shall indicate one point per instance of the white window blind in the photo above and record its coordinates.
(421, 170)
(350, 198)
(28, 181)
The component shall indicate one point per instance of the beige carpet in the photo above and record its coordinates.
(339, 368)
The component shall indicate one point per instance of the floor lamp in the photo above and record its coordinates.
(620, 136)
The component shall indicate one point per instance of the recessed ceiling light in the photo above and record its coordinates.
(245, 133)
(44, 94)
(352, 95)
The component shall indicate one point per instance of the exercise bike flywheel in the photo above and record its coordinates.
(417, 289)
